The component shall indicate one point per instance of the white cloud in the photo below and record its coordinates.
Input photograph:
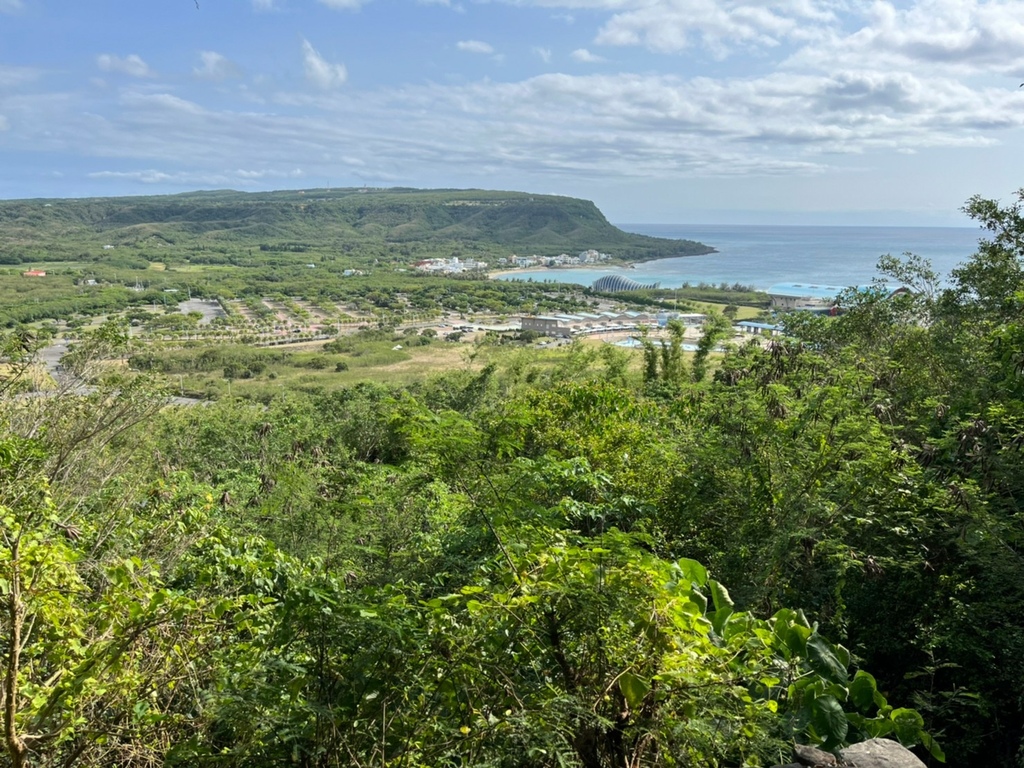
(802, 118)
(474, 46)
(585, 56)
(11, 6)
(263, 5)
(165, 102)
(344, 5)
(543, 53)
(4, 123)
(12, 77)
(295, 173)
(319, 71)
(214, 66)
(146, 177)
(129, 65)
(671, 26)
(239, 177)
(950, 36)
(976, 35)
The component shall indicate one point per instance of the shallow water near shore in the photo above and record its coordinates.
(761, 256)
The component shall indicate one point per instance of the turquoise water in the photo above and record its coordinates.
(762, 256)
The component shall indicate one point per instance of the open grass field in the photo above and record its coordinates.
(394, 357)
(309, 368)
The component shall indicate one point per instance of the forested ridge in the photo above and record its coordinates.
(191, 224)
(693, 563)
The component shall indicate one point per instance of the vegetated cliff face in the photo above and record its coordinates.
(514, 220)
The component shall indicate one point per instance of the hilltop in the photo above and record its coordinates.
(484, 222)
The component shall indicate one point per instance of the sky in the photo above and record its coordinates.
(670, 111)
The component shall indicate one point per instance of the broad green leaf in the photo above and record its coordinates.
(824, 661)
(633, 689)
(881, 702)
(841, 692)
(720, 595)
(795, 638)
(908, 724)
(693, 571)
(862, 690)
(829, 720)
(221, 607)
(723, 606)
(932, 746)
(699, 600)
(842, 654)
(870, 727)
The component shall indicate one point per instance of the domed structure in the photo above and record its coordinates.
(619, 283)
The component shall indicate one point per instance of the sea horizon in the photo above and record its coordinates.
(760, 255)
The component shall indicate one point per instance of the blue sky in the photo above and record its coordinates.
(675, 111)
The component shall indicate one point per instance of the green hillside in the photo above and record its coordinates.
(492, 223)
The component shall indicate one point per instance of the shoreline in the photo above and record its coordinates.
(614, 266)
(525, 270)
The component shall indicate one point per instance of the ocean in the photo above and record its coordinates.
(761, 256)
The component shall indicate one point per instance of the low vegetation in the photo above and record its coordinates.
(575, 560)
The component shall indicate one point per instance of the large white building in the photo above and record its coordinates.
(814, 298)
(585, 323)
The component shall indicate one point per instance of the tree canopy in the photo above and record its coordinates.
(695, 561)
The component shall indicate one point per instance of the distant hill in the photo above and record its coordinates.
(488, 222)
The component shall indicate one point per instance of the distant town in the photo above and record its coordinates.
(455, 265)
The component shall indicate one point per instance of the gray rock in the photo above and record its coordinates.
(879, 753)
(814, 757)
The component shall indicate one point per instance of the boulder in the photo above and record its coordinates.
(874, 753)
(814, 757)
(879, 753)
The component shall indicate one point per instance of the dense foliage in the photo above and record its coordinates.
(580, 564)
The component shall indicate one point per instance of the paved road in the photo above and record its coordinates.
(208, 308)
(51, 356)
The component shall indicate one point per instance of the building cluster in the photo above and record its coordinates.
(821, 299)
(451, 266)
(585, 323)
(561, 260)
(801, 296)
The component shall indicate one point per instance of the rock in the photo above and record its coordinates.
(812, 756)
(879, 753)
(874, 753)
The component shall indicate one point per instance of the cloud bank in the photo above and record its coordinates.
(672, 90)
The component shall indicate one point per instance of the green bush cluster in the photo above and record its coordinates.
(529, 565)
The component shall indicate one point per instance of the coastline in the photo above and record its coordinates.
(762, 256)
(497, 273)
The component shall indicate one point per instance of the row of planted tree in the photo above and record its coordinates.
(524, 565)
